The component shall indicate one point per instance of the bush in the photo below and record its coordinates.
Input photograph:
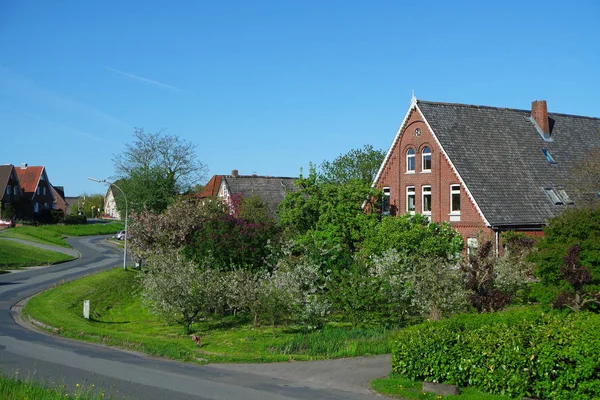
(75, 220)
(518, 353)
(574, 227)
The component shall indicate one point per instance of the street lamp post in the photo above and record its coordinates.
(125, 197)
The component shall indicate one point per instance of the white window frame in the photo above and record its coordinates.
(426, 154)
(386, 201)
(412, 156)
(426, 191)
(454, 214)
(411, 191)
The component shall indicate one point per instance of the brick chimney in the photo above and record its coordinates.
(234, 173)
(539, 113)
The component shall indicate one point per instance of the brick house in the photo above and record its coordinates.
(10, 189)
(484, 169)
(270, 189)
(38, 197)
(60, 201)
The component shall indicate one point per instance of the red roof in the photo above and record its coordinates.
(212, 187)
(29, 177)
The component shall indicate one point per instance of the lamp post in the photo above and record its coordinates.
(125, 197)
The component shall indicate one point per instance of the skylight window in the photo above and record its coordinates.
(565, 197)
(553, 196)
(548, 156)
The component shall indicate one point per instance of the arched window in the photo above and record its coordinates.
(410, 160)
(426, 159)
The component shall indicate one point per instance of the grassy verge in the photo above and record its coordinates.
(16, 255)
(54, 234)
(18, 389)
(402, 388)
(117, 318)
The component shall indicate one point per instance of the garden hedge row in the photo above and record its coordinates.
(519, 353)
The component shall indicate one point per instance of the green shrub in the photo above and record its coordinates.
(74, 220)
(518, 353)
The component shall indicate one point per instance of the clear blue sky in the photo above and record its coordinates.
(267, 86)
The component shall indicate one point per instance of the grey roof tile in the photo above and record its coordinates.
(497, 152)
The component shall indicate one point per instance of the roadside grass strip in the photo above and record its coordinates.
(402, 388)
(117, 318)
(54, 234)
(15, 255)
(15, 388)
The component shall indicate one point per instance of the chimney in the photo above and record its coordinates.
(23, 165)
(539, 113)
(234, 173)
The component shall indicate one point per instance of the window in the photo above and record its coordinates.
(44, 190)
(46, 206)
(410, 161)
(553, 196)
(37, 190)
(565, 197)
(15, 189)
(472, 245)
(548, 156)
(385, 202)
(8, 190)
(426, 199)
(410, 199)
(426, 159)
(36, 207)
(454, 202)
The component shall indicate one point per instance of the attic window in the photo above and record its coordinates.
(553, 196)
(565, 197)
(548, 156)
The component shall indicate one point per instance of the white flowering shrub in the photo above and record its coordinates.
(177, 289)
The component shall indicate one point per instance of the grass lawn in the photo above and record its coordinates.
(16, 255)
(19, 389)
(401, 388)
(117, 318)
(54, 234)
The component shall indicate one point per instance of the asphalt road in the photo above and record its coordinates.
(120, 374)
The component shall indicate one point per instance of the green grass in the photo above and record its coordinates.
(19, 389)
(118, 319)
(402, 388)
(16, 255)
(54, 234)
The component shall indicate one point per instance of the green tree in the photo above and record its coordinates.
(327, 219)
(146, 189)
(163, 164)
(576, 226)
(357, 164)
(89, 204)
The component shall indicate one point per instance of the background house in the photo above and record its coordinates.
(110, 205)
(60, 202)
(10, 190)
(485, 169)
(270, 189)
(38, 198)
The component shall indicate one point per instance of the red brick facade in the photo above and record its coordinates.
(415, 134)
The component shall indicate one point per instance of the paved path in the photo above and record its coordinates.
(125, 374)
(58, 249)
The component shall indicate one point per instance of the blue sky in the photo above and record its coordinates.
(268, 86)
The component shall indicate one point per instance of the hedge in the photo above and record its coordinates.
(518, 353)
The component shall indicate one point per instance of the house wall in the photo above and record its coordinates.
(394, 175)
(110, 205)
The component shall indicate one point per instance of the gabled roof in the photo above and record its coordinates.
(497, 153)
(29, 176)
(59, 193)
(5, 172)
(270, 189)
(212, 187)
